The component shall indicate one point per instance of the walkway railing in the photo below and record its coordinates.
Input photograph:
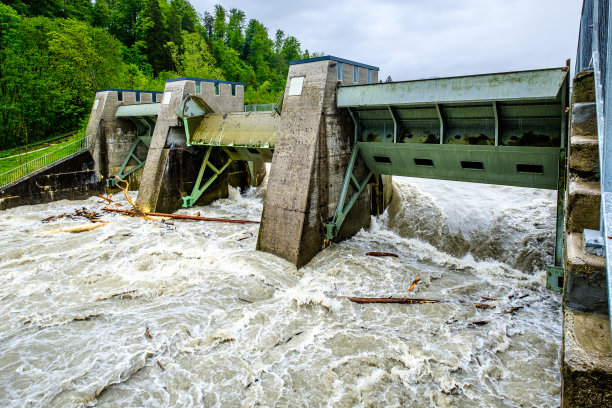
(593, 53)
(45, 160)
(259, 108)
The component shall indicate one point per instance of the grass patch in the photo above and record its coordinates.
(19, 157)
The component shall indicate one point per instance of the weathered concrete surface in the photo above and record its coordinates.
(225, 101)
(583, 202)
(72, 178)
(382, 193)
(584, 119)
(156, 165)
(113, 137)
(311, 154)
(584, 287)
(587, 364)
(584, 157)
(583, 88)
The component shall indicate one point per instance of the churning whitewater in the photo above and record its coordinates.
(145, 313)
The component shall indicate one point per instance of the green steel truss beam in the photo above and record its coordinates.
(198, 189)
(342, 209)
(122, 173)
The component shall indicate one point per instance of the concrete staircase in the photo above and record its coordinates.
(586, 359)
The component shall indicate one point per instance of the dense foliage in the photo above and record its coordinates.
(54, 55)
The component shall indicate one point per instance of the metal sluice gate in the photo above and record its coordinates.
(144, 117)
(244, 136)
(506, 128)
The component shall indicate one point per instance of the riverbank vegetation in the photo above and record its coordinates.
(54, 55)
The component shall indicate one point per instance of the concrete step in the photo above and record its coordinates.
(587, 364)
(583, 89)
(584, 158)
(584, 119)
(584, 286)
(582, 209)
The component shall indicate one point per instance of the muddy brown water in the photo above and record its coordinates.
(229, 326)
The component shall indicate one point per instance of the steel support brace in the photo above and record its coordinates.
(333, 227)
(122, 174)
(190, 200)
(555, 273)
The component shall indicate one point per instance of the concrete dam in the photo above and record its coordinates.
(324, 173)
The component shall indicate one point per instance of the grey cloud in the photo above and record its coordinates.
(416, 39)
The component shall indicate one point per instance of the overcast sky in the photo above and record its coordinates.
(412, 39)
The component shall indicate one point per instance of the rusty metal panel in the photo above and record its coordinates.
(250, 129)
(542, 84)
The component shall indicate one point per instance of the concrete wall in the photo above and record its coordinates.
(170, 172)
(72, 178)
(113, 137)
(311, 154)
(225, 101)
(586, 367)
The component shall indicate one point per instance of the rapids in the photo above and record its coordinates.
(178, 313)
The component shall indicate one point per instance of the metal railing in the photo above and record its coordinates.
(264, 107)
(45, 160)
(593, 45)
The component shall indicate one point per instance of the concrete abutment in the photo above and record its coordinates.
(586, 366)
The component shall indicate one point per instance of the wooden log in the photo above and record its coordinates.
(180, 217)
(410, 301)
(376, 253)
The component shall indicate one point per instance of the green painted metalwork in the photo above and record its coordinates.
(536, 167)
(554, 278)
(507, 129)
(138, 110)
(342, 209)
(122, 173)
(198, 189)
(534, 85)
(191, 106)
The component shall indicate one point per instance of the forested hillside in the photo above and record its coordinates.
(54, 55)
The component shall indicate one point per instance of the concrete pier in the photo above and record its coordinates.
(311, 154)
(171, 167)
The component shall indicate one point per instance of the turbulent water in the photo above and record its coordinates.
(178, 313)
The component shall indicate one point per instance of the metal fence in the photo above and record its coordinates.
(259, 108)
(593, 45)
(45, 160)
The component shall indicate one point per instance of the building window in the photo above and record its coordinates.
(137, 96)
(355, 74)
(119, 96)
(217, 92)
(369, 76)
(339, 65)
(233, 89)
(197, 84)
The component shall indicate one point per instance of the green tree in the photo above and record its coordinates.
(258, 50)
(209, 24)
(219, 25)
(187, 14)
(125, 15)
(153, 37)
(196, 60)
(101, 14)
(235, 29)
